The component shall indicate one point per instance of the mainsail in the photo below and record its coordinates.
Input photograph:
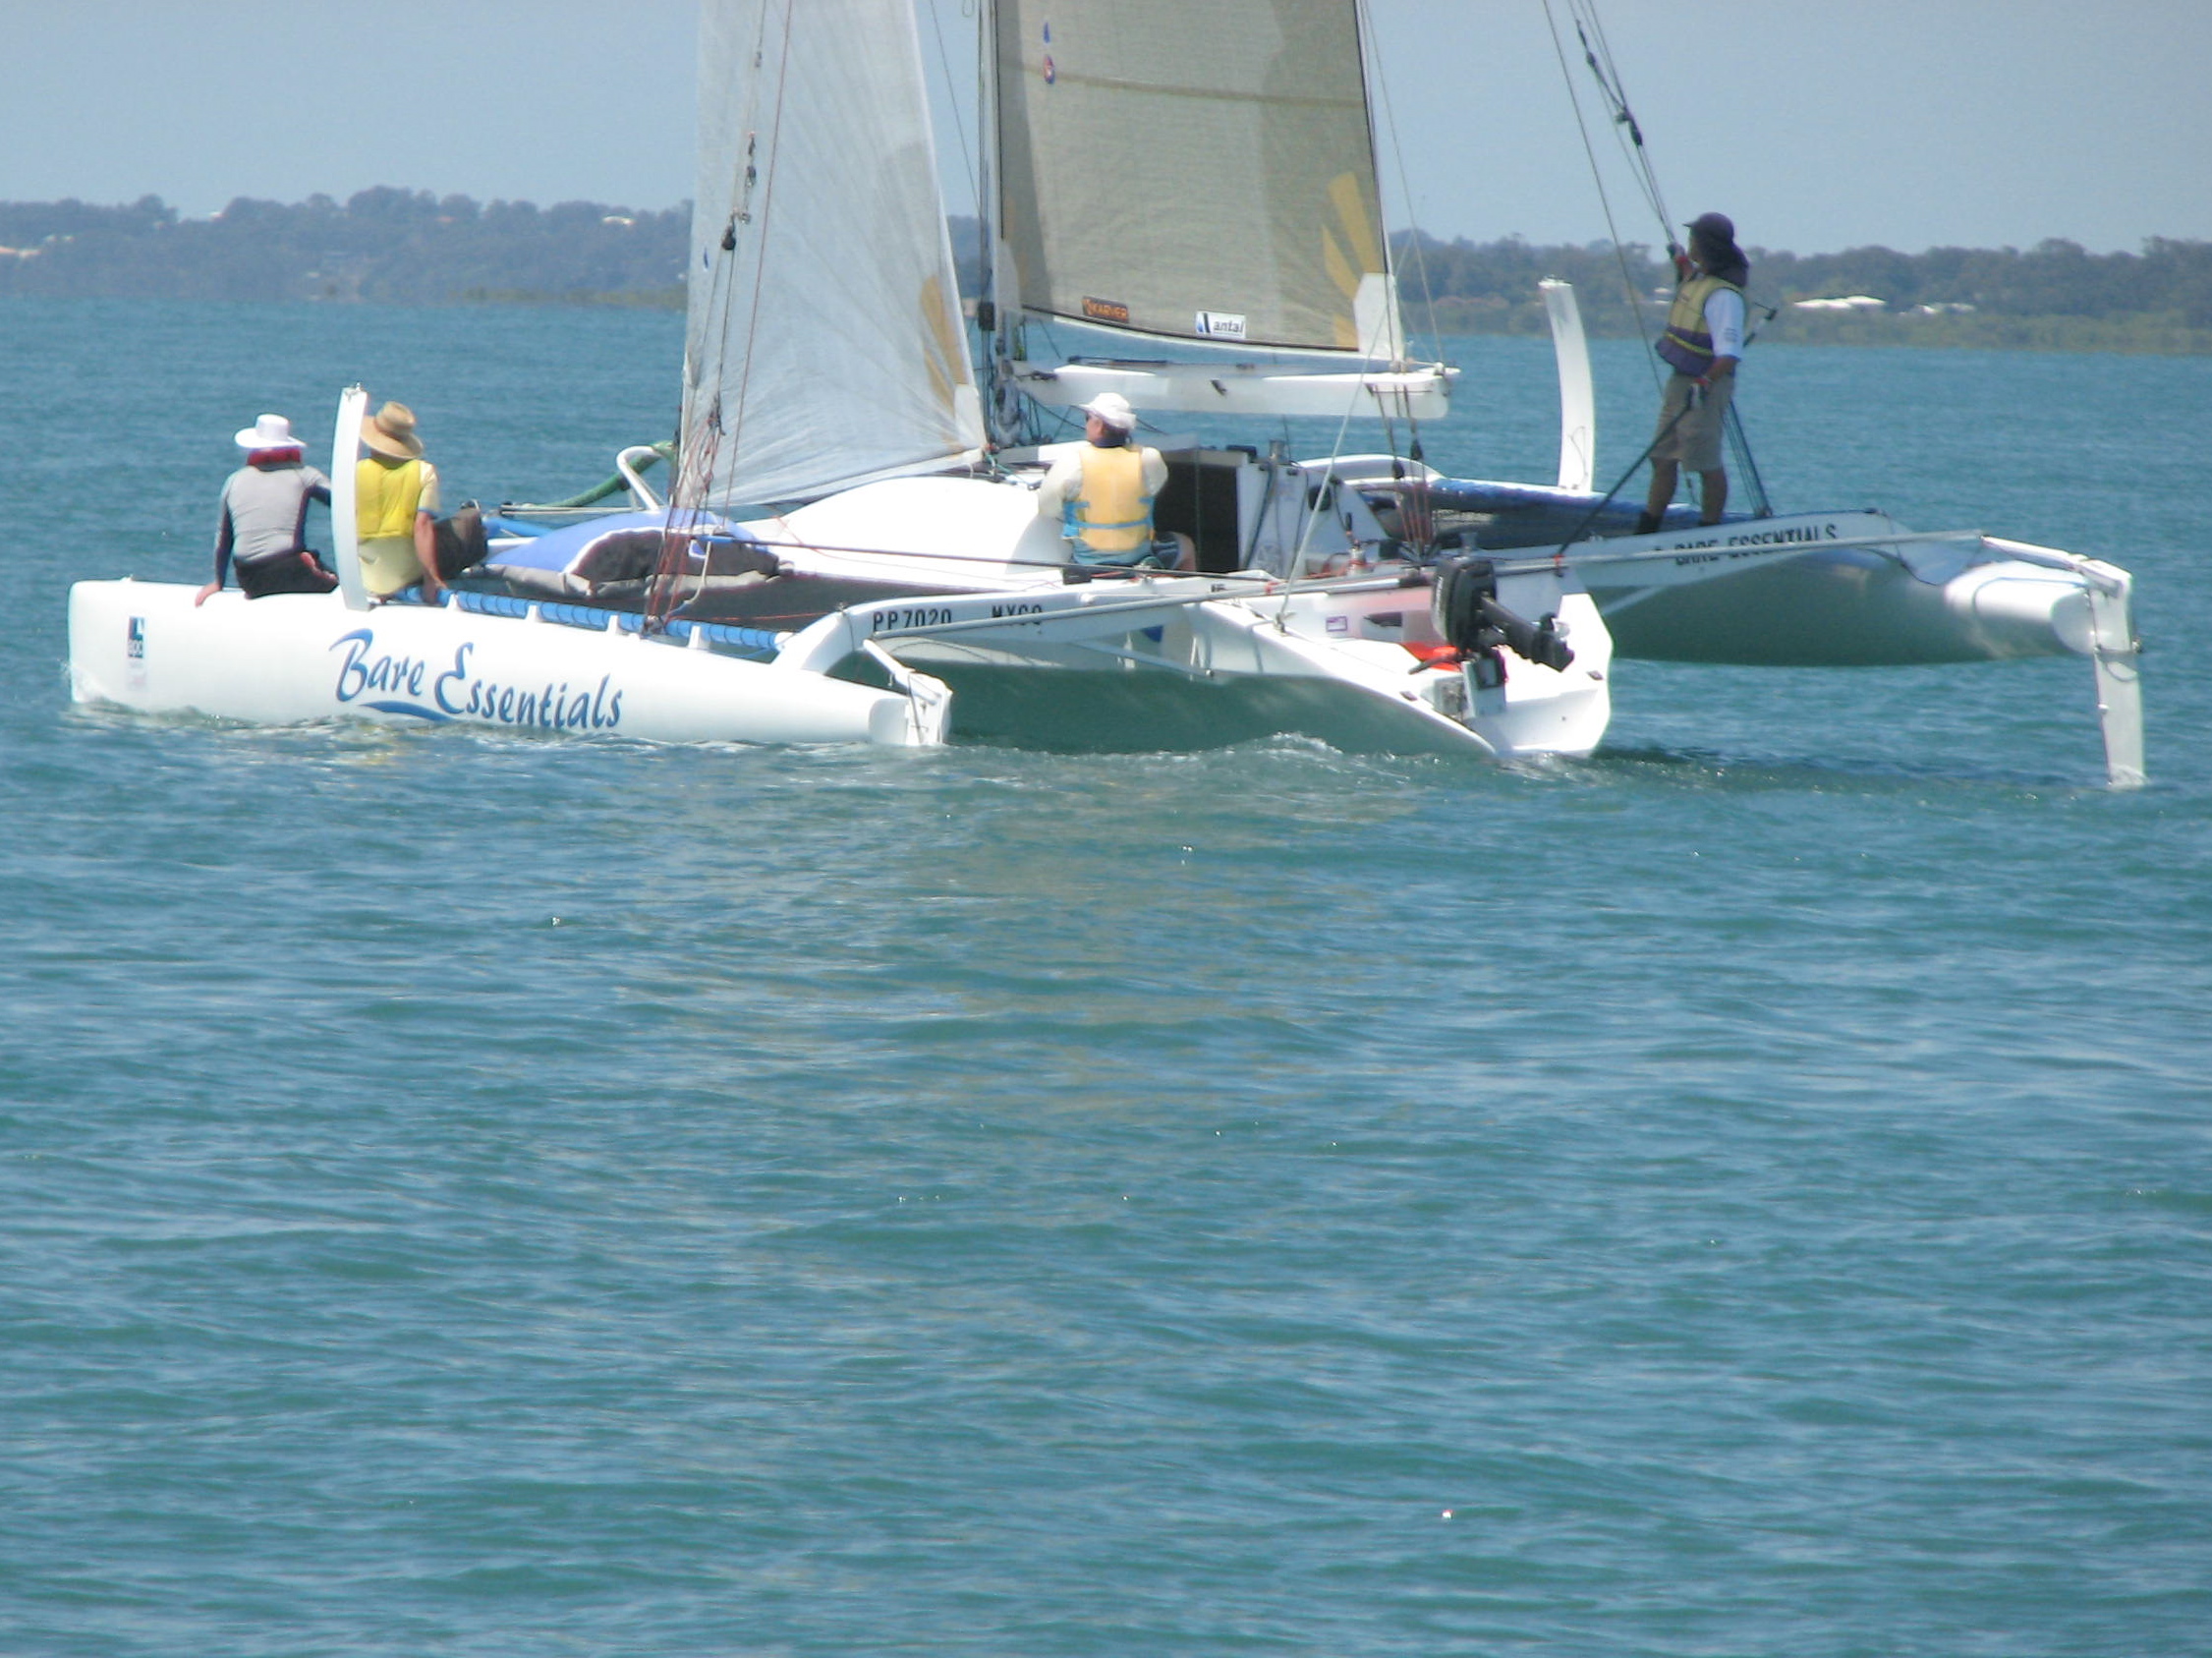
(823, 343)
(1195, 171)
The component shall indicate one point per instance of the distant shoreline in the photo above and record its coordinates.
(2129, 336)
(671, 298)
(398, 246)
(2155, 334)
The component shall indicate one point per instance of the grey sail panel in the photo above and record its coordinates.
(1193, 171)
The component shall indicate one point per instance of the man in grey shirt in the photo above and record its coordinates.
(263, 529)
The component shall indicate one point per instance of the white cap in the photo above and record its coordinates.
(268, 431)
(1113, 409)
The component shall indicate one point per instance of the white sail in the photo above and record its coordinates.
(823, 344)
(1195, 171)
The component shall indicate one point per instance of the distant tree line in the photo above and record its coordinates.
(395, 246)
(2165, 292)
(413, 248)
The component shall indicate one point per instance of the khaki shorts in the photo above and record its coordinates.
(1693, 441)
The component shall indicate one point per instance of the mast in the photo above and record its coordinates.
(998, 312)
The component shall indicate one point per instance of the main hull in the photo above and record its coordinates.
(295, 657)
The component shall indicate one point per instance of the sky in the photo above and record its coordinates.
(1908, 123)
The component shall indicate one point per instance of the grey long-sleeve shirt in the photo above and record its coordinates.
(265, 511)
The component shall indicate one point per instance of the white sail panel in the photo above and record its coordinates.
(823, 343)
(1198, 171)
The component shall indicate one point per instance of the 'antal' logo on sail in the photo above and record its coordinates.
(1104, 310)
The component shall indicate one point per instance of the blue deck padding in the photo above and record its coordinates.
(497, 523)
(1469, 494)
(751, 641)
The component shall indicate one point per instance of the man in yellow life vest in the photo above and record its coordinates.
(395, 507)
(1703, 342)
(1103, 494)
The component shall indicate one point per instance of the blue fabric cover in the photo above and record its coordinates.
(564, 549)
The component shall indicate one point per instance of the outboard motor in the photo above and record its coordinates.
(1465, 606)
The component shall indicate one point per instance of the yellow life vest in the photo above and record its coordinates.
(1113, 513)
(386, 498)
(1686, 345)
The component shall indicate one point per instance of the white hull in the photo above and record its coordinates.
(295, 657)
(1823, 590)
(988, 642)
(986, 639)
(1176, 662)
(1191, 661)
(1132, 664)
(1840, 588)
(1854, 590)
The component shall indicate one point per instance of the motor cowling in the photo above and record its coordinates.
(1465, 609)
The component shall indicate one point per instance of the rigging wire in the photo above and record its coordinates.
(1626, 132)
(1739, 446)
(1328, 489)
(1605, 197)
(969, 169)
(1374, 54)
(1629, 134)
(696, 476)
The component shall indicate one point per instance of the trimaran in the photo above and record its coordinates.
(850, 551)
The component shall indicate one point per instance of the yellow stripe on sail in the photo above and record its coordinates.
(1345, 324)
(942, 354)
(1339, 268)
(1359, 226)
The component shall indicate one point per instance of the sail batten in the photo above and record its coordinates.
(1193, 172)
(1214, 94)
(823, 342)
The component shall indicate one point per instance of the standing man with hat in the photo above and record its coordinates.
(396, 502)
(262, 531)
(1702, 343)
(1103, 494)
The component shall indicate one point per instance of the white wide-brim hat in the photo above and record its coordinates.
(268, 431)
(1113, 409)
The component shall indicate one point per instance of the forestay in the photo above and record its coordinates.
(1201, 172)
(823, 343)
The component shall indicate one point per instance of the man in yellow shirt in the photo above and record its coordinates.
(396, 502)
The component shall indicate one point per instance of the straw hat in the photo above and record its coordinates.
(391, 431)
(268, 431)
